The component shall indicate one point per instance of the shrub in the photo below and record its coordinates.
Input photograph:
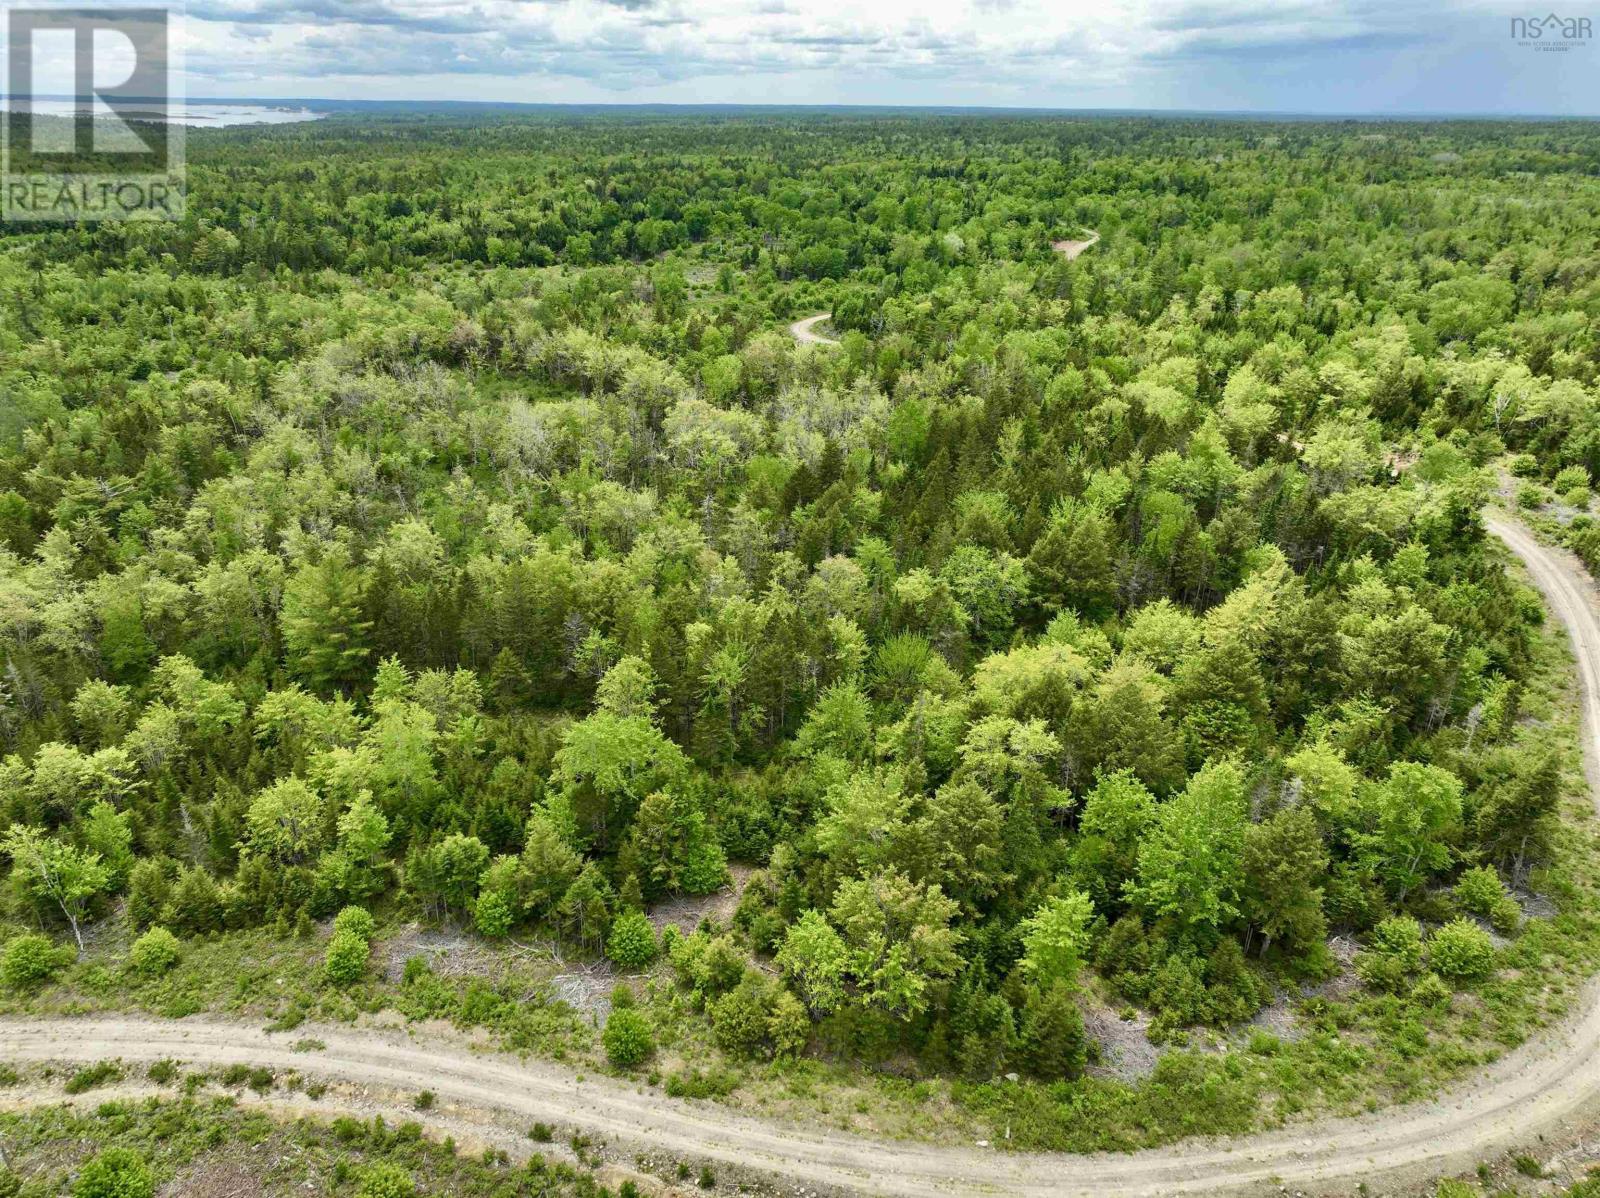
(1393, 954)
(1053, 1042)
(627, 1038)
(154, 953)
(788, 1025)
(90, 1077)
(1430, 991)
(492, 915)
(633, 941)
(346, 960)
(115, 1173)
(29, 960)
(1461, 951)
(385, 1181)
(1571, 477)
(739, 1017)
(1480, 891)
(356, 920)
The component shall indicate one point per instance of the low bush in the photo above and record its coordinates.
(632, 943)
(30, 960)
(346, 959)
(115, 1173)
(1461, 951)
(355, 920)
(154, 953)
(627, 1038)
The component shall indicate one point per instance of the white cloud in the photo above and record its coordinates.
(1134, 53)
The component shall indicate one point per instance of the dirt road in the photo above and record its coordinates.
(1071, 249)
(1532, 1092)
(805, 331)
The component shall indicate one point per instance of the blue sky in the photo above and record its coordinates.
(1342, 56)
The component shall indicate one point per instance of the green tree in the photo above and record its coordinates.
(1417, 816)
(154, 953)
(325, 639)
(1054, 939)
(815, 961)
(606, 767)
(1284, 858)
(898, 939)
(1189, 864)
(55, 874)
(1052, 1039)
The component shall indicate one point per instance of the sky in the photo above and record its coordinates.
(1286, 56)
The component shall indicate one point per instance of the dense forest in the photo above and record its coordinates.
(442, 521)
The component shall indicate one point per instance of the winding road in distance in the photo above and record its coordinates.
(805, 331)
(1533, 1091)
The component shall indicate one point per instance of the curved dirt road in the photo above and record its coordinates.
(1071, 249)
(1528, 1093)
(805, 331)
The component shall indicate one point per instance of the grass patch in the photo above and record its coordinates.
(92, 1077)
(213, 1146)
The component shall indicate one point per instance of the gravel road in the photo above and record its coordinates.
(805, 331)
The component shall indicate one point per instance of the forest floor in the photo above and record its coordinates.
(1545, 1092)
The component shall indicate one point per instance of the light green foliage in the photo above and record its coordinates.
(325, 638)
(608, 764)
(115, 1173)
(1480, 891)
(897, 939)
(285, 823)
(815, 961)
(627, 1038)
(1393, 953)
(632, 943)
(788, 1025)
(385, 1181)
(28, 960)
(1461, 951)
(1054, 939)
(346, 959)
(155, 952)
(473, 543)
(357, 921)
(1189, 865)
(1418, 814)
(55, 874)
(492, 915)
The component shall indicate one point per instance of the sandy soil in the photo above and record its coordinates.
(805, 331)
(1541, 1090)
(1071, 249)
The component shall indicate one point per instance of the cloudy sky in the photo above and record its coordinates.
(1344, 56)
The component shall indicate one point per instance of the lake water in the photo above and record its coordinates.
(199, 116)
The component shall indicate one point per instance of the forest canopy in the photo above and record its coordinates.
(442, 520)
